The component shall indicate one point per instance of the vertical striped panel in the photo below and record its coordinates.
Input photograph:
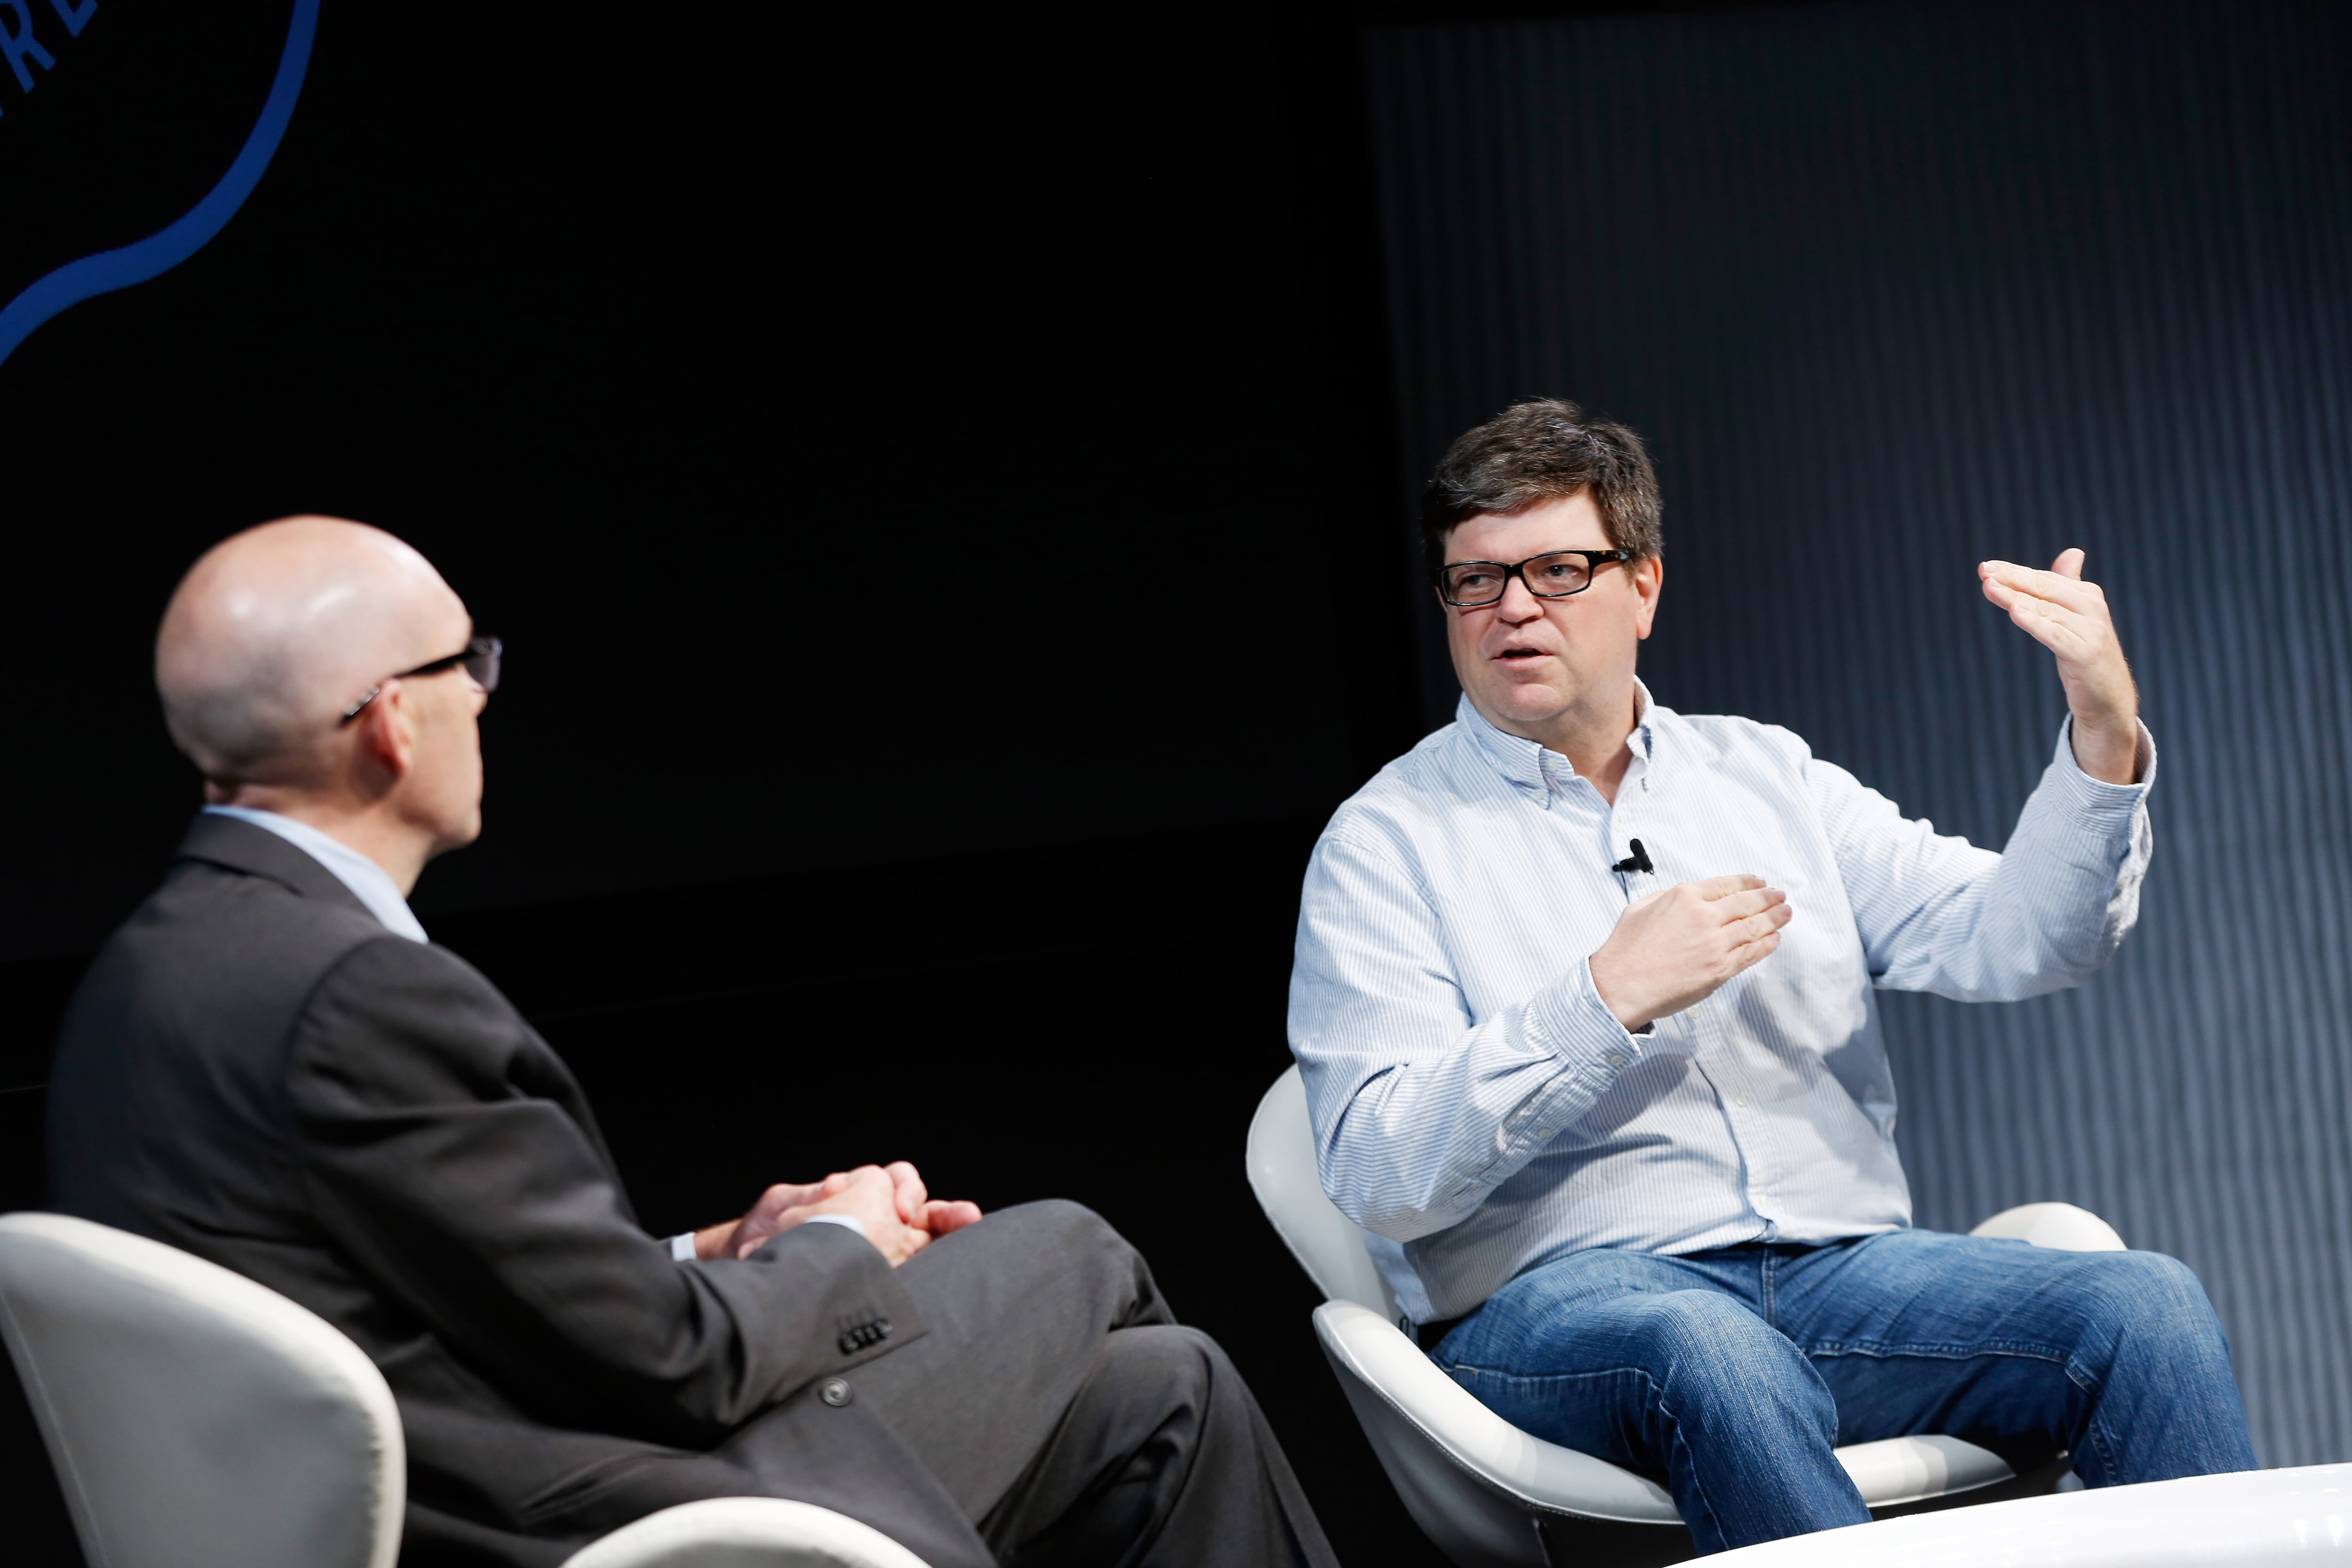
(1893, 287)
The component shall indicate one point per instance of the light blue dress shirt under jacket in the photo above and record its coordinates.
(1479, 1111)
(370, 883)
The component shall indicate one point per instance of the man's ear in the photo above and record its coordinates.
(387, 749)
(1649, 575)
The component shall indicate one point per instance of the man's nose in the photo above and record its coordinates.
(1518, 605)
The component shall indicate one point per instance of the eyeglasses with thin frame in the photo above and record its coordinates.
(479, 656)
(1554, 575)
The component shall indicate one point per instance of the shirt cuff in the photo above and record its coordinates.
(849, 1221)
(2094, 795)
(681, 1247)
(1593, 1050)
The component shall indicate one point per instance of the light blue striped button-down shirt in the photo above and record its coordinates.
(1479, 1111)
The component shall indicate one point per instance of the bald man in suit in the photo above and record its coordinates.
(270, 1066)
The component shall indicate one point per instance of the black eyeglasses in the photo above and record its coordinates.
(479, 656)
(1554, 575)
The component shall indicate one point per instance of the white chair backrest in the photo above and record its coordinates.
(1328, 1243)
(196, 1419)
(2060, 1225)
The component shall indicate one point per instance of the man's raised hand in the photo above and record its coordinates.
(1672, 950)
(2068, 617)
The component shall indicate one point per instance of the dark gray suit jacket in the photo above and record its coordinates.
(256, 1071)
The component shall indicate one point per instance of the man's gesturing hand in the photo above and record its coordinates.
(1671, 950)
(2068, 617)
(900, 1215)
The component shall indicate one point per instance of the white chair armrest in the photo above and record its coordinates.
(2060, 1225)
(745, 1532)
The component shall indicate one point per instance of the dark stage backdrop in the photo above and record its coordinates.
(852, 425)
(1891, 288)
(647, 325)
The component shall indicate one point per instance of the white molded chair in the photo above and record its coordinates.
(1488, 1494)
(200, 1420)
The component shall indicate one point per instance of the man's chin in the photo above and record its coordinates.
(458, 835)
(1514, 704)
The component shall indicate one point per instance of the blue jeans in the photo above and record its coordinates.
(1731, 1376)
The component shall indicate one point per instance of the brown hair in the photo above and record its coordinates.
(1538, 451)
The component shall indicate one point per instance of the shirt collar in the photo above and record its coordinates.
(1531, 765)
(368, 881)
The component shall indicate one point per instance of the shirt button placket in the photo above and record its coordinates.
(1708, 1029)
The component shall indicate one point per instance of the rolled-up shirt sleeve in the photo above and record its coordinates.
(1938, 913)
(1418, 1113)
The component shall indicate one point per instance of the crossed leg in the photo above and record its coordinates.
(1073, 1422)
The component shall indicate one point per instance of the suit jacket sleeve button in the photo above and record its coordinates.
(835, 1391)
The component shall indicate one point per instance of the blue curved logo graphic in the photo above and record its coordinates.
(159, 252)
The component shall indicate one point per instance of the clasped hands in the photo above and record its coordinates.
(899, 1213)
(1675, 947)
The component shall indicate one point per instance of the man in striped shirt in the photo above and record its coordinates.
(1583, 1001)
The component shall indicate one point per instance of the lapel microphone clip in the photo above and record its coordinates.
(1639, 860)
